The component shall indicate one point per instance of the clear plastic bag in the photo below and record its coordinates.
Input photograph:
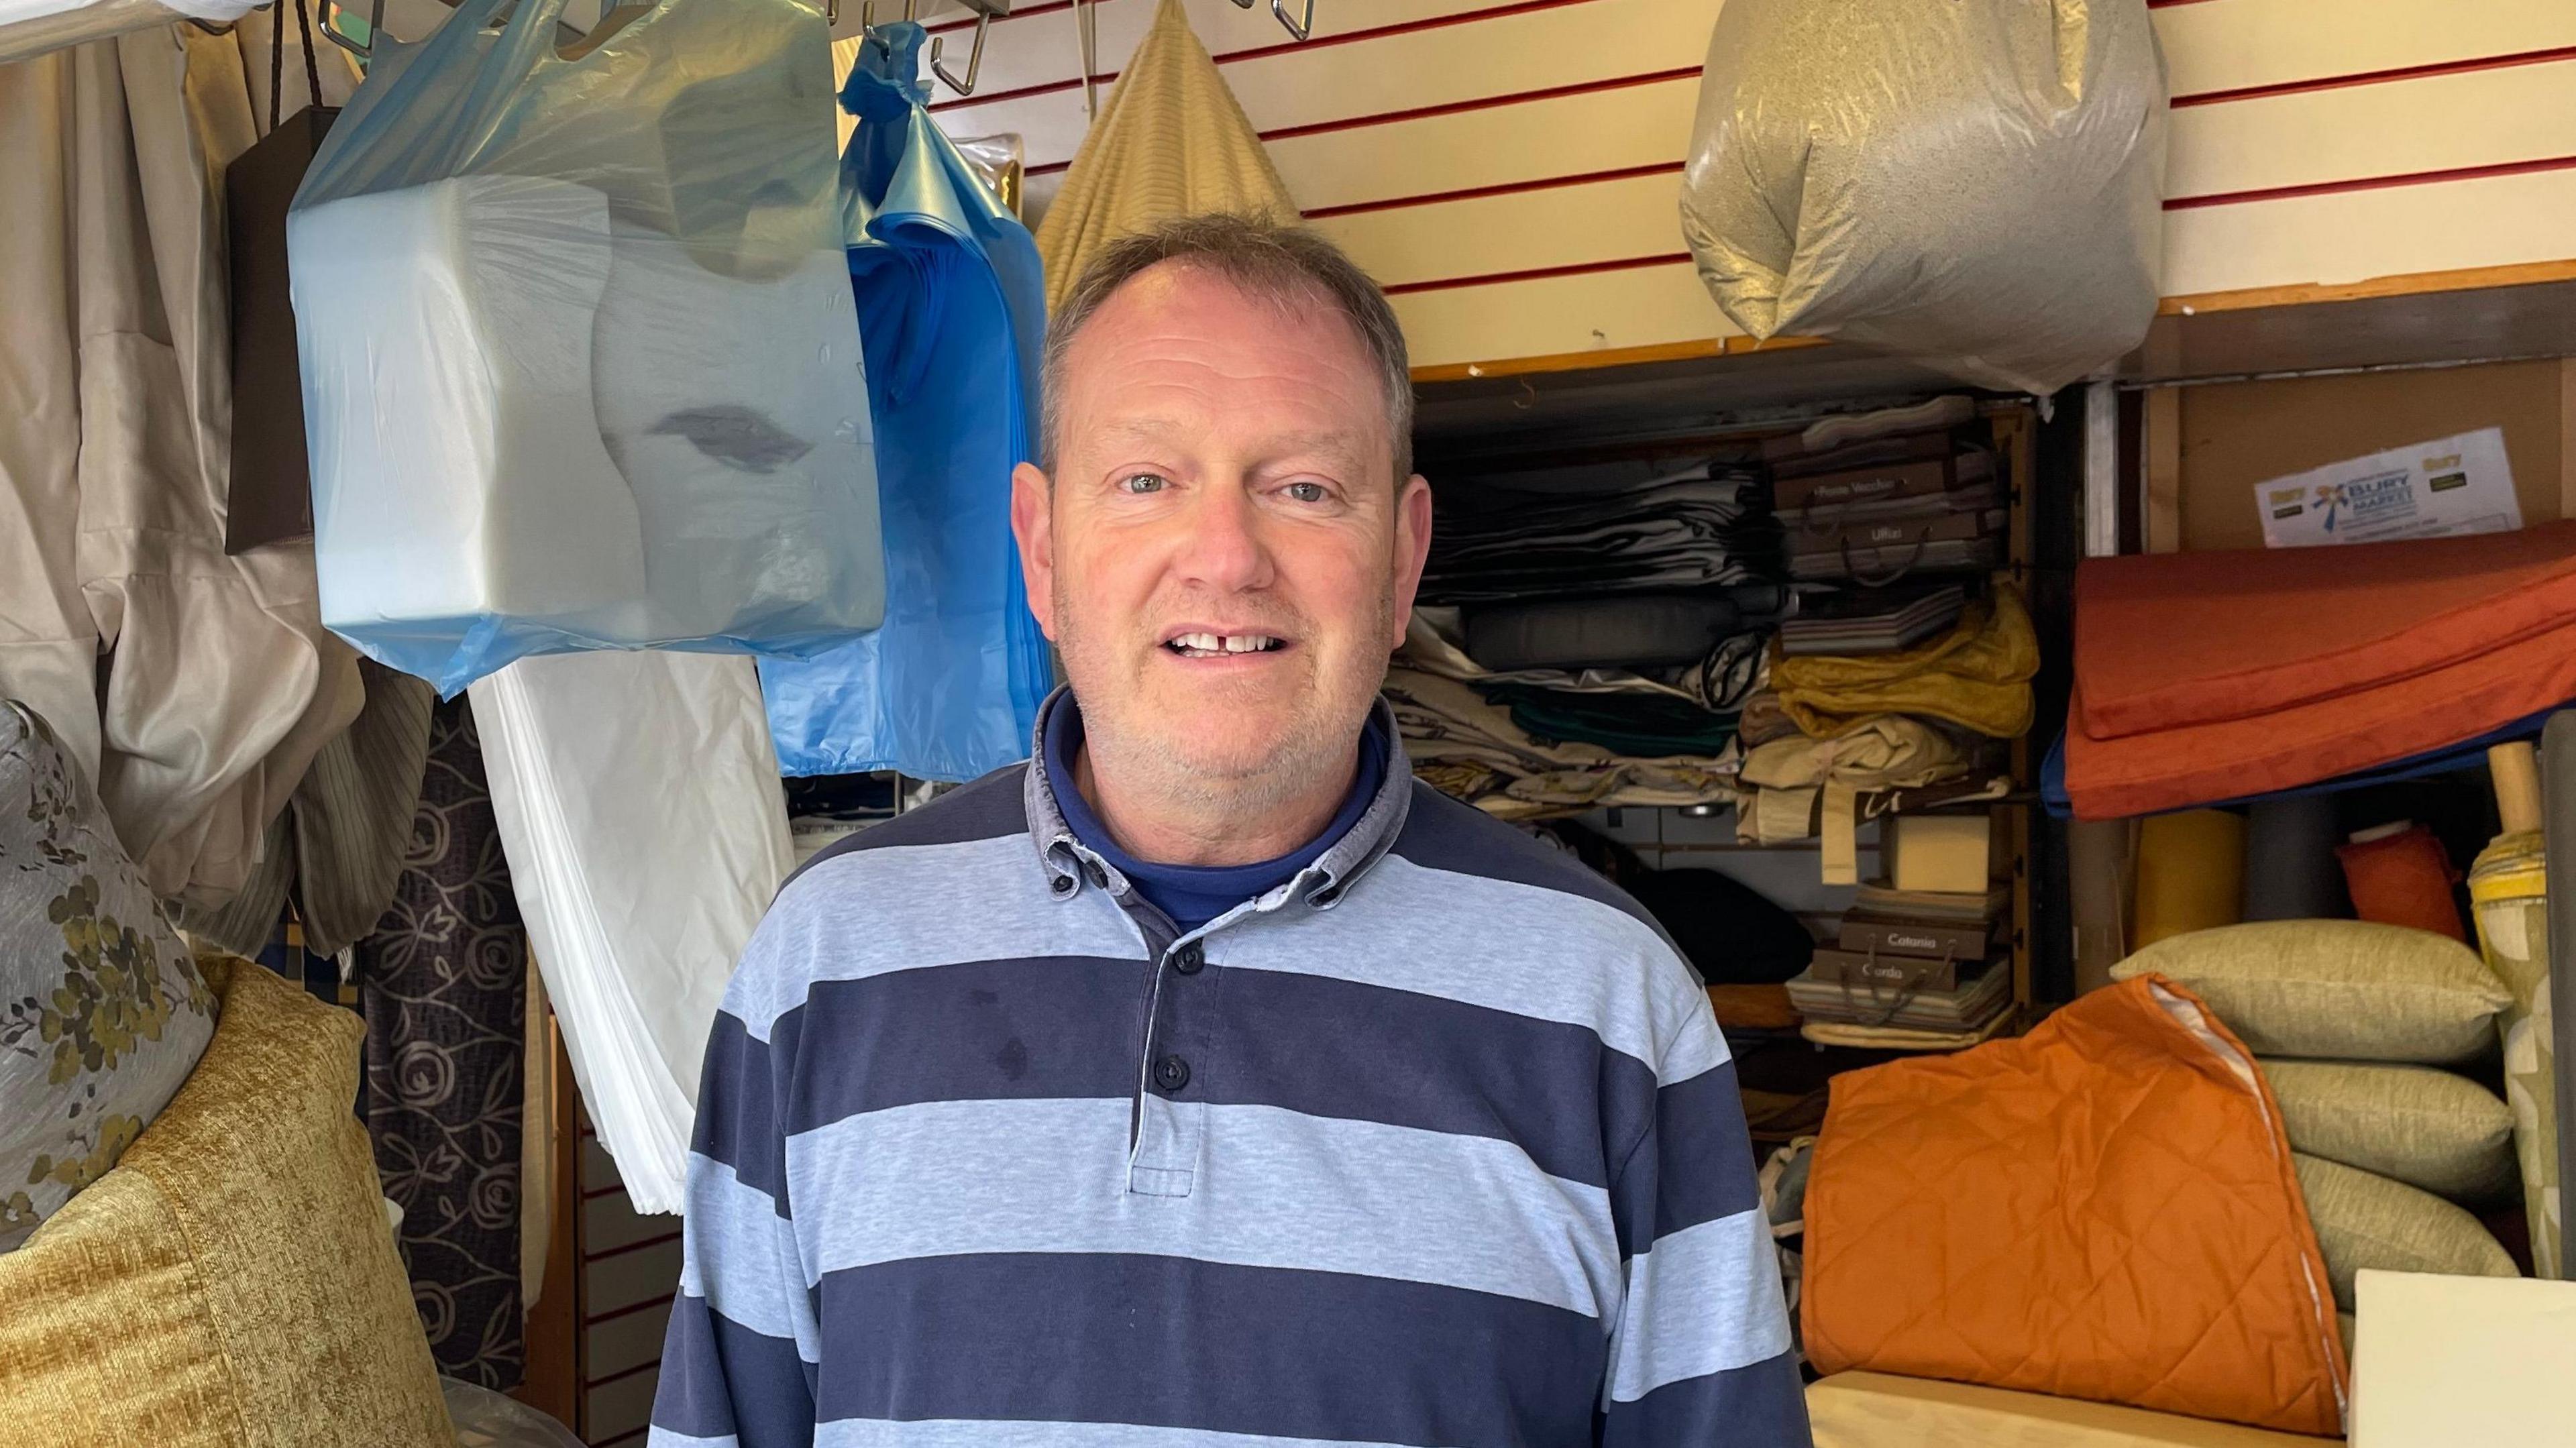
(952, 305)
(486, 1419)
(1973, 184)
(581, 365)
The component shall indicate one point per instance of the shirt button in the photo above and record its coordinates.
(1189, 958)
(1171, 1074)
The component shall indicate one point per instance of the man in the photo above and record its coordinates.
(1206, 1080)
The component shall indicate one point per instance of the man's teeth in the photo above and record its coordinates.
(1208, 643)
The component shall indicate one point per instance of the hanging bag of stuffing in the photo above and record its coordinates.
(952, 312)
(581, 365)
(1975, 185)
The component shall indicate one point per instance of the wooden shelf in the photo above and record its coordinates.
(1682, 389)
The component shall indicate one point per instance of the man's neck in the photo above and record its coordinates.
(1256, 825)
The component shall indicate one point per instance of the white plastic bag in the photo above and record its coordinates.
(580, 359)
(1973, 184)
(640, 807)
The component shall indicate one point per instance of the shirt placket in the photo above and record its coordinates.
(1178, 1064)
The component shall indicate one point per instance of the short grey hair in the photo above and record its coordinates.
(1289, 265)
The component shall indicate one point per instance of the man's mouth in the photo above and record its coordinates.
(1217, 645)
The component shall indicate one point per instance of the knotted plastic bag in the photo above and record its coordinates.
(580, 361)
(952, 307)
(1976, 185)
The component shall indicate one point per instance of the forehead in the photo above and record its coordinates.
(1183, 336)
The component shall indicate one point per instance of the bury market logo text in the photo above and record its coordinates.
(2368, 502)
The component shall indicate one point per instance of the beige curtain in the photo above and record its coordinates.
(194, 687)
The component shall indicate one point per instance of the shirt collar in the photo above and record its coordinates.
(1069, 864)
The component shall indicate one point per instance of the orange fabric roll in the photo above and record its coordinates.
(2404, 879)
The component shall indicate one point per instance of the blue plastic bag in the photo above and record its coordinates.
(952, 309)
(581, 365)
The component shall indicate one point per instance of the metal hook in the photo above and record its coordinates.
(1087, 32)
(365, 53)
(984, 10)
(1297, 29)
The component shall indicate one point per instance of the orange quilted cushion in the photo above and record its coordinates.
(2103, 1209)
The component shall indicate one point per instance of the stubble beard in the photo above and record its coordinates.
(1157, 758)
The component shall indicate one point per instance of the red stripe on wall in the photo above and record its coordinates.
(2373, 183)
(1483, 103)
(1535, 274)
(664, 1300)
(1257, 52)
(638, 1246)
(1447, 108)
(2379, 77)
(1506, 188)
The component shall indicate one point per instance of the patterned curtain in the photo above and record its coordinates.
(443, 985)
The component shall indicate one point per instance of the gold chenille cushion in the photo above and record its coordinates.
(231, 1281)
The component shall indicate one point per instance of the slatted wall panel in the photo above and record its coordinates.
(1510, 167)
(630, 1271)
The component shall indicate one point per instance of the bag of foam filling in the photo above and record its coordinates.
(580, 358)
(1975, 185)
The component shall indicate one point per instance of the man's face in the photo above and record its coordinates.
(1223, 557)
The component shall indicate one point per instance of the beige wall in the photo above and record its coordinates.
(1545, 96)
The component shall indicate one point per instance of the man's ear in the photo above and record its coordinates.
(1412, 548)
(1033, 526)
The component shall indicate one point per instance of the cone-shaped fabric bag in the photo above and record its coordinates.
(1170, 141)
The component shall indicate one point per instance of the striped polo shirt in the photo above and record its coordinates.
(1437, 1143)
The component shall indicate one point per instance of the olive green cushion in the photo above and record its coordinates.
(2363, 1220)
(2348, 990)
(2424, 1127)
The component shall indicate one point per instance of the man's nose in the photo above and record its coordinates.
(1225, 550)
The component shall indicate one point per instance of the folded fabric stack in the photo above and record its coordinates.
(1700, 527)
(1841, 736)
(1467, 746)
(2205, 677)
(1881, 507)
(1911, 970)
(1872, 620)
(1600, 684)
(2352, 1022)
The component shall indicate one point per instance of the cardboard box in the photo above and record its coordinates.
(2470, 1360)
(1950, 853)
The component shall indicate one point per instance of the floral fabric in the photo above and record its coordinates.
(443, 985)
(102, 1012)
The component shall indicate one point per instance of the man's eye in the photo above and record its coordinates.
(1143, 483)
(1307, 492)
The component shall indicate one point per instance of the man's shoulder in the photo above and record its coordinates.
(1441, 833)
(990, 808)
(915, 888)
